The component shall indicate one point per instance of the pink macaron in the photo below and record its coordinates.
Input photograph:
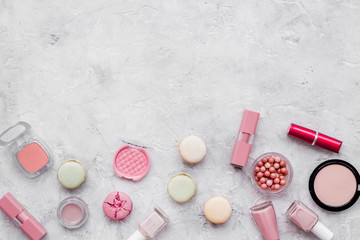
(117, 205)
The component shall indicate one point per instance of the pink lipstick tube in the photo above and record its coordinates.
(244, 138)
(21, 218)
(314, 138)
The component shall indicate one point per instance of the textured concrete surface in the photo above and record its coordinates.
(90, 74)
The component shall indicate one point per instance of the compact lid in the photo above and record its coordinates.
(15, 132)
(249, 122)
(131, 162)
(10, 205)
(322, 232)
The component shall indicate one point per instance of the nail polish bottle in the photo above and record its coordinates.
(307, 220)
(151, 225)
(265, 218)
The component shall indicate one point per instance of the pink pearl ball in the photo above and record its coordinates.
(259, 183)
(264, 160)
(276, 165)
(271, 160)
(257, 169)
(256, 178)
(269, 183)
(283, 170)
(263, 186)
(267, 174)
(272, 169)
(260, 164)
(262, 180)
(285, 173)
(267, 165)
(282, 163)
(272, 175)
(263, 169)
(277, 159)
(260, 174)
(282, 182)
(277, 186)
(282, 177)
(273, 187)
(278, 171)
(277, 180)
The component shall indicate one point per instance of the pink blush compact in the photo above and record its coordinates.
(32, 157)
(131, 163)
(30, 152)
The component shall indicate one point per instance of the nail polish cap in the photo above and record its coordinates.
(26, 222)
(322, 232)
(137, 236)
(243, 142)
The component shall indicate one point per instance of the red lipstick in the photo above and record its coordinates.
(314, 138)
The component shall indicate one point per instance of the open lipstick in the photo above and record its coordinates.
(21, 218)
(244, 138)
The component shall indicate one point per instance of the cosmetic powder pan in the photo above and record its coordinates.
(334, 185)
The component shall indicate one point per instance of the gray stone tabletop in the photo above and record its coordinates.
(88, 75)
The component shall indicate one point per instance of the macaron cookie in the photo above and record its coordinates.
(217, 210)
(181, 187)
(192, 149)
(71, 174)
(117, 205)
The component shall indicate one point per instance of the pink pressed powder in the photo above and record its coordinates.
(33, 157)
(335, 185)
(72, 213)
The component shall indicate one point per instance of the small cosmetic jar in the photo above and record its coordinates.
(334, 185)
(30, 152)
(72, 212)
(271, 173)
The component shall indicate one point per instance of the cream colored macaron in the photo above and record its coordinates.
(71, 174)
(181, 187)
(217, 210)
(192, 149)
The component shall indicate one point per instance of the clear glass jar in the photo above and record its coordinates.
(288, 177)
(72, 212)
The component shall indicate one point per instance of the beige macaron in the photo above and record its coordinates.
(217, 210)
(192, 149)
(71, 174)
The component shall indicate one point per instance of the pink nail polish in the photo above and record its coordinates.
(151, 225)
(265, 218)
(307, 220)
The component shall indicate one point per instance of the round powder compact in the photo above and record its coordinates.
(334, 185)
(71, 174)
(117, 205)
(72, 212)
(181, 187)
(192, 149)
(131, 163)
(217, 210)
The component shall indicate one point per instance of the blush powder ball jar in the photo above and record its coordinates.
(271, 173)
(334, 185)
(72, 212)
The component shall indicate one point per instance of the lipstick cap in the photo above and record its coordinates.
(249, 122)
(314, 138)
(10, 206)
(27, 223)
